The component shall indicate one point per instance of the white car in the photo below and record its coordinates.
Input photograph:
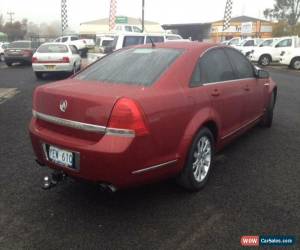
(291, 58)
(269, 54)
(247, 45)
(54, 58)
(3, 46)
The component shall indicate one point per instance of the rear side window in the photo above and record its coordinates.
(64, 39)
(74, 50)
(284, 43)
(20, 45)
(128, 28)
(241, 64)
(215, 67)
(133, 40)
(131, 66)
(74, 38)
(53, 48)
(155, 39)
(249, 43)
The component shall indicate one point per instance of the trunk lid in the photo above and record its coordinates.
(87, 102)
(51, 57)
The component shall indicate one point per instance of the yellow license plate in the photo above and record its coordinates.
(50, 67)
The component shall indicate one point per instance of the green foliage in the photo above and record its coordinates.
(285, 10)
(282, 28)
(15, 30)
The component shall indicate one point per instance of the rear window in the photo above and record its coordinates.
(133, 40)
(53, 48)
(132, 66)
(155, 39)
(20, 45)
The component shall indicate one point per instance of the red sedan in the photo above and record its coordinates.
(147, 113)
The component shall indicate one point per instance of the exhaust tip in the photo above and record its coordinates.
(108, 188)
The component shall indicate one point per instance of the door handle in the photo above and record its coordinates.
(246, 88)
(216, 92)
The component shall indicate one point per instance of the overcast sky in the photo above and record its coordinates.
(162, 11)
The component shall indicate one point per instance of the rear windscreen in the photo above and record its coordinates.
(53, 48)
(20, 45)
(131, 66)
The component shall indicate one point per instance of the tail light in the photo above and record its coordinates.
(34, 60)
(26, 52)
(66, 59)
(128, 115)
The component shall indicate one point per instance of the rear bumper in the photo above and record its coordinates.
(62, 67)
(13, 59)
(120, 161)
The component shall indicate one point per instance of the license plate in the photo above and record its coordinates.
(51, 67)
(61, 156)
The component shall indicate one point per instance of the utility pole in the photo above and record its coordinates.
(143, 15)
(10, 16)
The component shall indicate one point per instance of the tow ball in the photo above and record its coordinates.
(52, 181)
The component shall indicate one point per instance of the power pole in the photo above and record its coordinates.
(143, 15)
(10, 16)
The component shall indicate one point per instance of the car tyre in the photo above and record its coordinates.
(265, 60)
(267, 119)
(39, 75)
(196, 171)
(295, 64)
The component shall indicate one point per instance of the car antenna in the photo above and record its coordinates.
(153, 44)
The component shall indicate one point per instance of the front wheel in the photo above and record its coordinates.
(197, 169)
(265, 60)
(296, 63)
(267, 119)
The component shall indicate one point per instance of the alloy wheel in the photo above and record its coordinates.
(202, 156)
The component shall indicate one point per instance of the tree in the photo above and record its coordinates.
(15, 30)
(285, 10)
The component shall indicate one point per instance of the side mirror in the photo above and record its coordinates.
(262, 74)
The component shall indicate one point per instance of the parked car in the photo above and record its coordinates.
(19, 51)
(247, 45)
(269, 54)
(147, 113)
(54, 58)
(291, 58)
(82, 45)
(3, 46)
(233, 41)
(127, 28)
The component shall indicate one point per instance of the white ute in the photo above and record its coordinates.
(269, 54)
(82, 45)
(291, 58)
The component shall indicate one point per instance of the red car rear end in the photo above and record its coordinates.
(133, 118)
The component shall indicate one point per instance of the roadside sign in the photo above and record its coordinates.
(121, 19)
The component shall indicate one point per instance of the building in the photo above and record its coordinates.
(90, 29)
(195, 31)
(242, 26)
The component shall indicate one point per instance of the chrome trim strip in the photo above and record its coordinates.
(69, 123)
(153, 167)
(235, 80)
(240, 128)
(120, 132)
(84, 126)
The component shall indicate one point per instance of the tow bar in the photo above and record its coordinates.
(53, 180)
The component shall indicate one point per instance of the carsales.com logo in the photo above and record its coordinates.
(256, 241)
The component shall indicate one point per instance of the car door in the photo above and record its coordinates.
(253, 88)
(75, 56)
(226, 94)
(283, 45)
